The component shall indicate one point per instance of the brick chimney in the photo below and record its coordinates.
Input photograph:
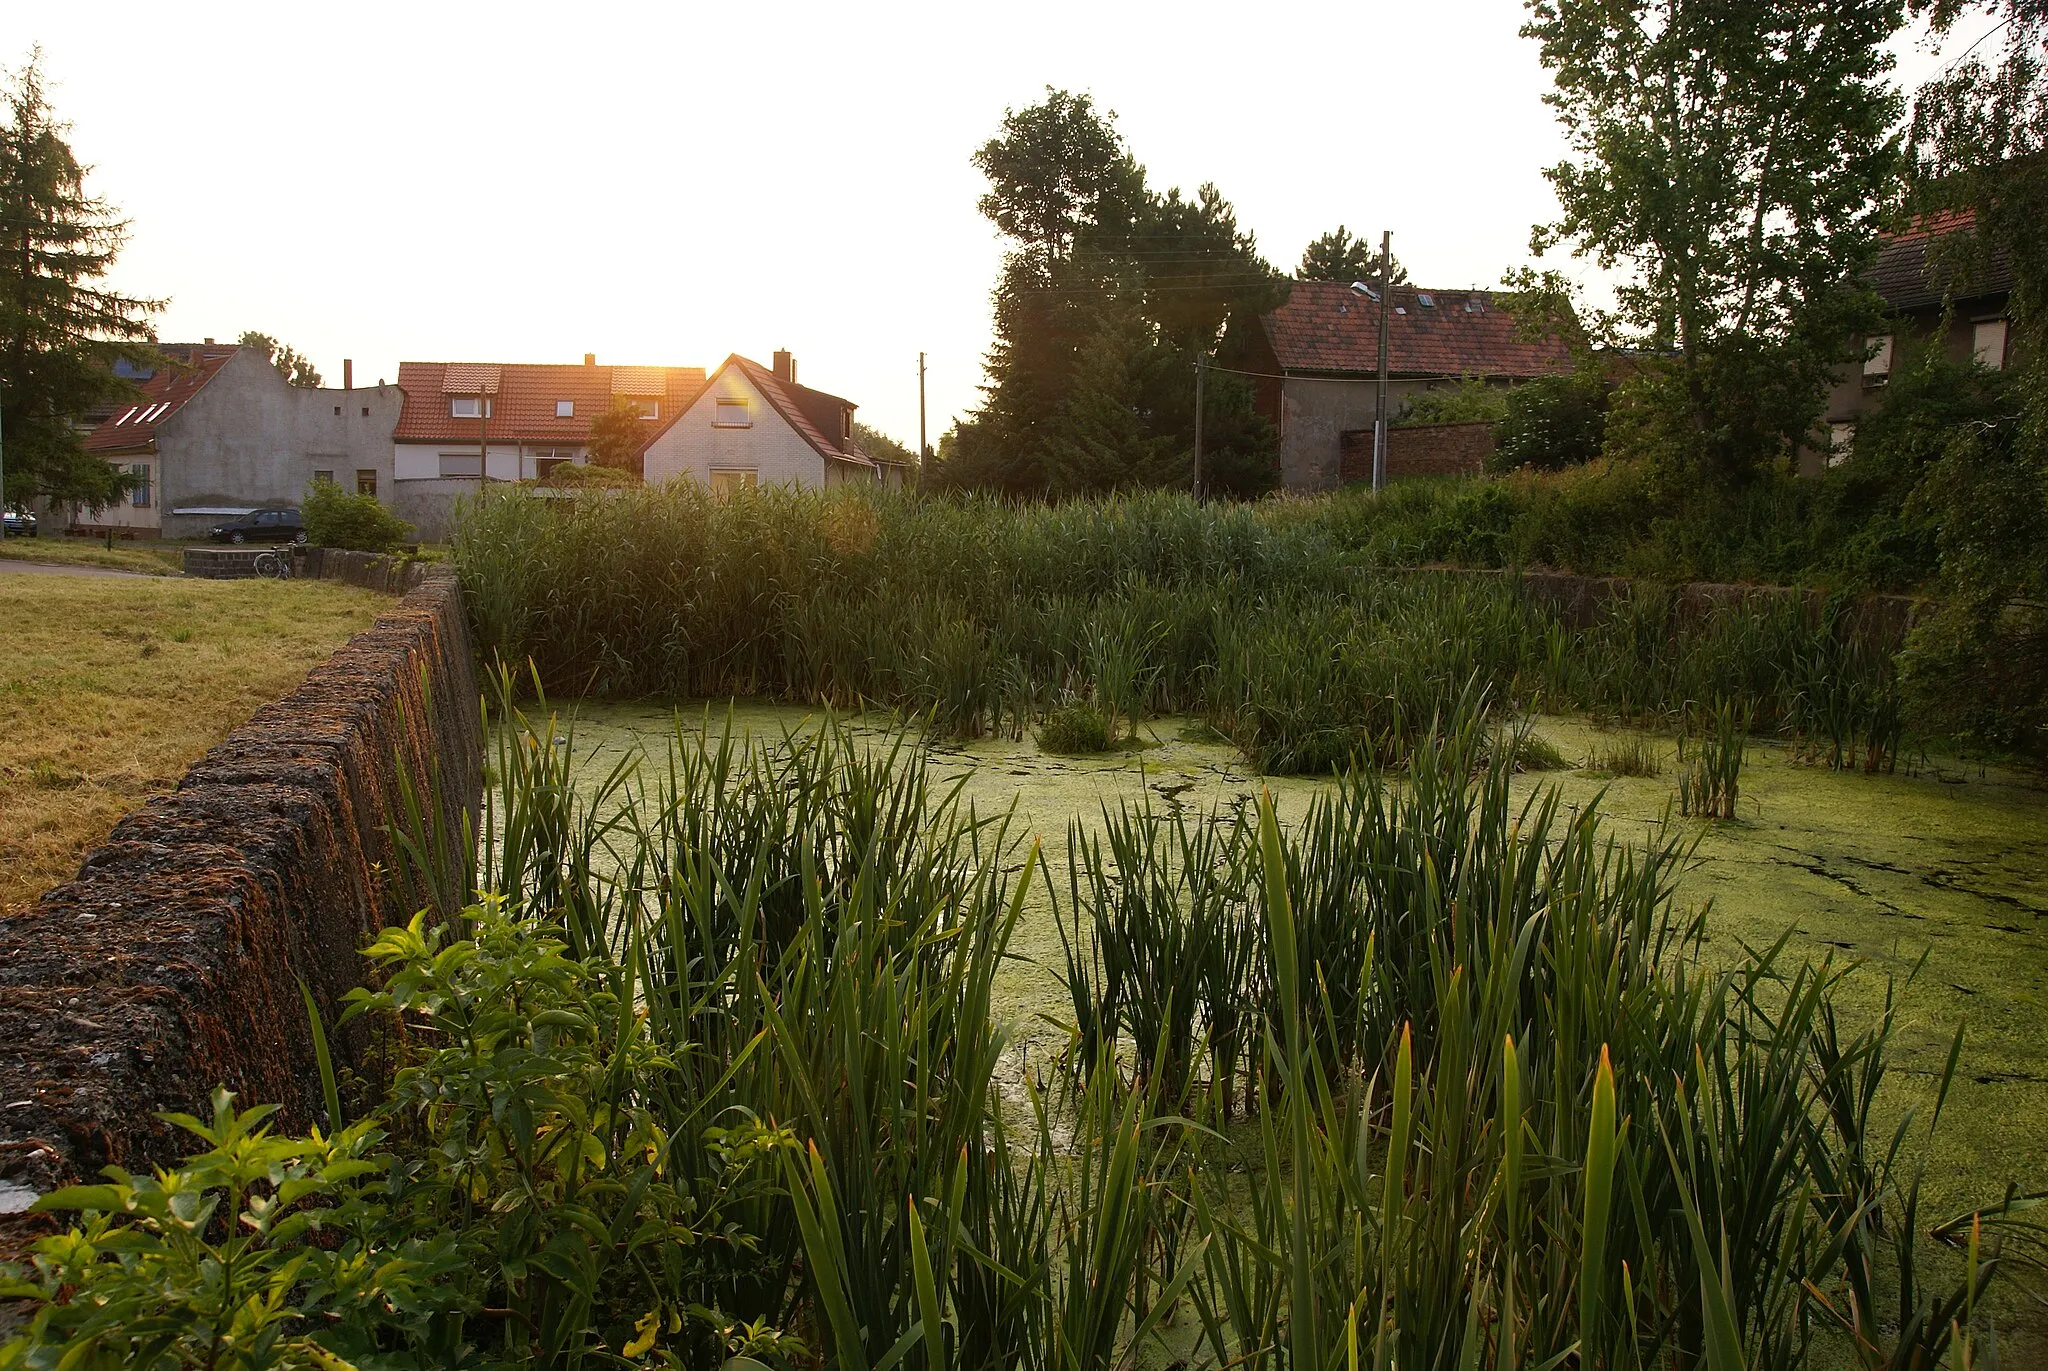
(348, 374)
(785, 366)
(590, 359)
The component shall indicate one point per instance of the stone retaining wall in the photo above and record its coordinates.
(172, 963)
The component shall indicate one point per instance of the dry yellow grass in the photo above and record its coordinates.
(111, 687)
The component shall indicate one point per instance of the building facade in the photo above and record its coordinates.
(1934, 291)
(466, 424)
(1315, 361)
(754, 425)
(218, 432)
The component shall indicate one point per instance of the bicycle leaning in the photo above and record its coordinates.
(276, 564)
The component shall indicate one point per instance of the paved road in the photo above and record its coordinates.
(56, 569)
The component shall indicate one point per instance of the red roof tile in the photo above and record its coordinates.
(524, 396)
(1327, 327)
(133, 425)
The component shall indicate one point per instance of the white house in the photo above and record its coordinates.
(751, 425)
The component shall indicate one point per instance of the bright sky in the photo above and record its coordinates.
(664, 184)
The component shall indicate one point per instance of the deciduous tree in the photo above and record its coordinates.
(1108, 294)
(616, 435)
(291, 364)
(1735, 160)
(61, 331)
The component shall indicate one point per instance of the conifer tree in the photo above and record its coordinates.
(60, 330)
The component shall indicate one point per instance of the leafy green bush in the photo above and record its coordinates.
(338, 518)
(1472, 400)
(590, 476)
(1552, 422)
(514, 1165)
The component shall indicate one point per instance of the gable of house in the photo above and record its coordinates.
(751, 426)
(131, 427)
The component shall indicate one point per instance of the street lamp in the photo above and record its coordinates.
(1379, 412)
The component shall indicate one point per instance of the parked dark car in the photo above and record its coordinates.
(17, 522)
(280, 525)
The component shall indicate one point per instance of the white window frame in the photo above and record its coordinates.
(1877, 367)
(1982, 347)
(565, 409)
(735, 478)
(463, 458)
(724, 403)
(474, 402)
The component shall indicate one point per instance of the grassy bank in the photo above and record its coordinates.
(110, 688)
(143, 558)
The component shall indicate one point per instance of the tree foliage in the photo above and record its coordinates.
(60, 330)
(616, 436)
(1735, 160)
(1339, 257)
(878, 444)
(291, 364)
(1979, 142)
(1108, 294)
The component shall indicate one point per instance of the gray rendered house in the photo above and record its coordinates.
(218, 433)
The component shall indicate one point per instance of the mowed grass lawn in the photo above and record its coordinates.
(111, 687)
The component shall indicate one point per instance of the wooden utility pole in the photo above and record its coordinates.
(1201, 372)
(1379, 413)
(923, 449)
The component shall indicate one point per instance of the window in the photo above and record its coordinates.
(366, 411)
(732, 414)
(726, 482)
(323, 478)
(648, 409)
(1841, 442)
(337, 411)
(565, 409)
(1877, 365)
(139, 496)
(546, 459)
(469, 407)
(1987, 343)
(269, 518)
(366, 481)
(469, 464)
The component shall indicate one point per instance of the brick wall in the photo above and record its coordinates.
(1424, 450)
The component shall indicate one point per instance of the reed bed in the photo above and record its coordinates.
(715, 1073)
(1270, 622)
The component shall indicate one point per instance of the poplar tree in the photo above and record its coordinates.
(60, 330)
(1735, 159)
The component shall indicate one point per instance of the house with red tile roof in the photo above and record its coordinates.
(467, 423)
(754, 425)
(1316, 360)
(215, 432)
(1932, 286)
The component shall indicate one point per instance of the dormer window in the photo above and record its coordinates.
(732, 413)
(469, 407)
(565, 409)
(647, 409)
